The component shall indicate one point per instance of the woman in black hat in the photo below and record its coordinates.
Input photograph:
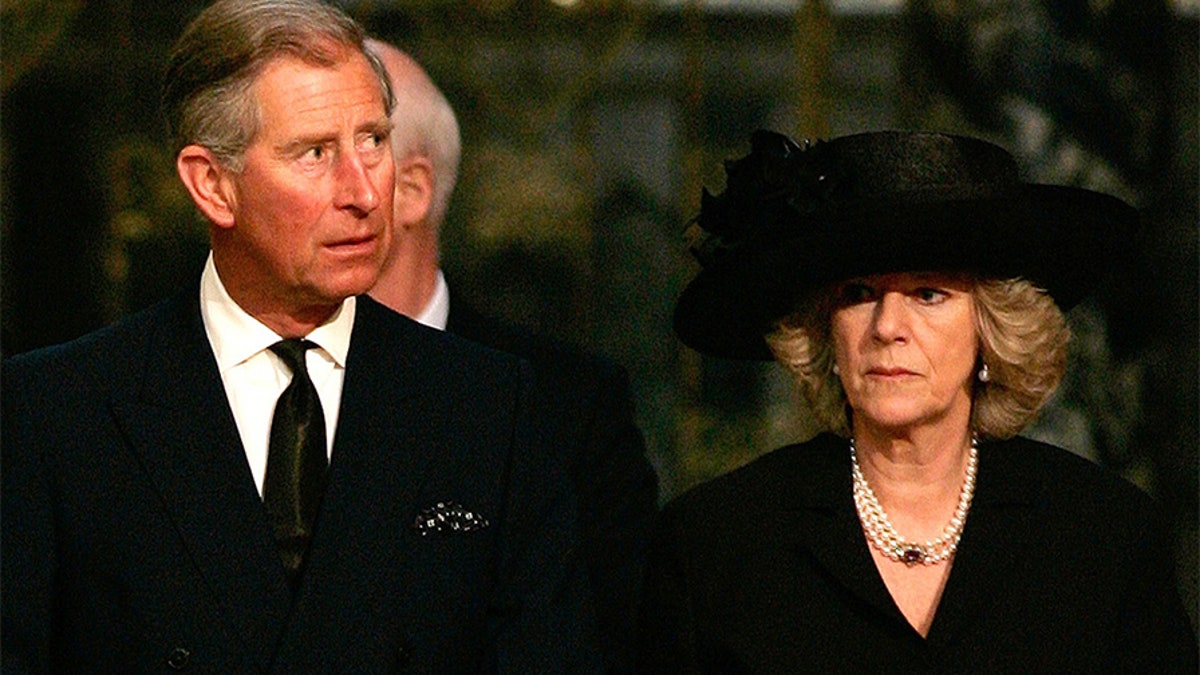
(916, 289)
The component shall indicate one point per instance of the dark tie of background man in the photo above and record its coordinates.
(296, 460)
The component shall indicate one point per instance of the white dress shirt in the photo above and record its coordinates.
(437, 310)
(254, 376)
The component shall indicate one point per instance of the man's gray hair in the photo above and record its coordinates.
(425, 124)
(207, 98)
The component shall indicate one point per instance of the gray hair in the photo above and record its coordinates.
(1023, 340)
(424, 124)
(207, 97)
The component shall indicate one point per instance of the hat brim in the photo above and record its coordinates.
(1059, 238)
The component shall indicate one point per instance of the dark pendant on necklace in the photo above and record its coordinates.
(912, 556)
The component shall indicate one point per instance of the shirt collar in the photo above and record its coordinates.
(236, 336)
(437, 310)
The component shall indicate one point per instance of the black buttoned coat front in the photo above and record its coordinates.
(134, 539)
(1060, 569)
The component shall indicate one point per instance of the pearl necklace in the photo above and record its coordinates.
(882, 534)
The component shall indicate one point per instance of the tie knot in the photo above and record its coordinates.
(292, 352)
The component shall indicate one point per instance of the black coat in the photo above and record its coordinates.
(583, 401)
(766, 570)
(134, 538)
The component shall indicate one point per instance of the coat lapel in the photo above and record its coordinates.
(983, 567)
(1002, 516)
(382, 452)
(181, 427)
(830, 530)
(380, 427)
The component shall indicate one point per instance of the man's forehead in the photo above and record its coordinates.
(296, 87)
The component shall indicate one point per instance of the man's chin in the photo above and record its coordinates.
(348, 283)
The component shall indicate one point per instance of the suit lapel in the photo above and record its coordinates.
(984, 566)
(379, 425)
(1002, 516)
(379, 459)
(830, 531)
(181, 427)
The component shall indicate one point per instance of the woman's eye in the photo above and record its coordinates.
(930, 296)
(854, 293)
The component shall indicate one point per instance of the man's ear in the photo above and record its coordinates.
(208, 182)
(414, 191)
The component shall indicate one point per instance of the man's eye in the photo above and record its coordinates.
(374, 140)
(373, 148)
(316, 152)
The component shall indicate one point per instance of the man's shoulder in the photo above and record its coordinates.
(382, 335)
(551, 358)
(112, 348)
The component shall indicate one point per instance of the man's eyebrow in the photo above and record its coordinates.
(383, 125)
(304, 142)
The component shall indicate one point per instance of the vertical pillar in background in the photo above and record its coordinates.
(689, 422)
(808, 103)
(813, 40)
(120, 229)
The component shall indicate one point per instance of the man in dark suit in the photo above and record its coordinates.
(268, 473)
(583, 400)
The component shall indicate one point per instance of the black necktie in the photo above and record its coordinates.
(296, 460)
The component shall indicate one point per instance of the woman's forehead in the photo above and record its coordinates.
(921, 277)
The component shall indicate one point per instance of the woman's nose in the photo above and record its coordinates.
(890, 322)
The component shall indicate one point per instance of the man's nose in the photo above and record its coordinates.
(356, 190)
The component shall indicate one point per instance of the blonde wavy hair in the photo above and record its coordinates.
(1023, 340)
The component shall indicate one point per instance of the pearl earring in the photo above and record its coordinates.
(984, 375)
(836, 370)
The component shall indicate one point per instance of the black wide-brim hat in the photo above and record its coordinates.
(794, 218)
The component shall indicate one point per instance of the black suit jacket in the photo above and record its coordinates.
(134, 538)
(584, 402)
(766, 570)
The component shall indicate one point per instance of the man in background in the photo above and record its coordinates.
(582, 399)
(267, 473)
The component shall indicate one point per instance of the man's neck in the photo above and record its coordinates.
(292, 319)
(409, 280)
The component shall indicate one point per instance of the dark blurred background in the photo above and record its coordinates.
(589, 128)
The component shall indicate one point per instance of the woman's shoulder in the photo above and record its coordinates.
(1056, 478)
(784, 478)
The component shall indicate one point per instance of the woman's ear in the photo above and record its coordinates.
(414, 191)
(209, 184)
